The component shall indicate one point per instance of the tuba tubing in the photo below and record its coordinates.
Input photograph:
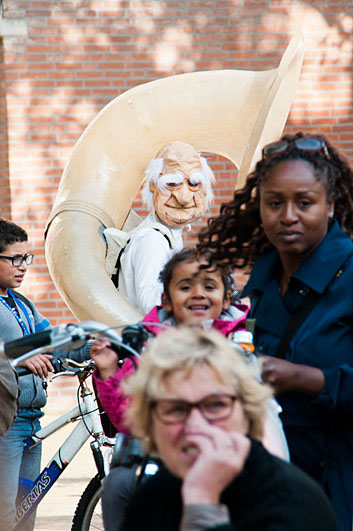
(233, 113)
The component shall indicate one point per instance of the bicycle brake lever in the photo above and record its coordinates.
(64, 373)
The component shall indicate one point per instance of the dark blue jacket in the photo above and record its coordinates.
(320, 429)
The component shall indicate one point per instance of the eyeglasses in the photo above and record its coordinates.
(212, 408)
(308, 144)
(18, 260)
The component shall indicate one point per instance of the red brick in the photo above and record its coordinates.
(78, 56)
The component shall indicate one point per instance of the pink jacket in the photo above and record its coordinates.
(231, 323)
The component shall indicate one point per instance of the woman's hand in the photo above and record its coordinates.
(285, 376)
(220, 457)
(105, 358)
(40, 365)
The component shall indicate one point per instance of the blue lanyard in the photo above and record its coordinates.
(23, 308)
(20, 321)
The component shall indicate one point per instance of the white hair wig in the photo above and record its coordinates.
(155, 167)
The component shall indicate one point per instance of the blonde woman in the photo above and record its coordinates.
(197, 403)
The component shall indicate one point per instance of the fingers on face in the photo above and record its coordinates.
(99, 346)
(102, 343)
(213, 438)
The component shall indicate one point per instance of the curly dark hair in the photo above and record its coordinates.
(236, 238)
(10, 233)
(190, 254)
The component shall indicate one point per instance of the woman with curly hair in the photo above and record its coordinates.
(291, 225)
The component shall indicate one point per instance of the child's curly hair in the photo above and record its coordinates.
(191, 254)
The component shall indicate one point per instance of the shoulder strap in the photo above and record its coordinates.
(153, 225)
(298, 317)
(24, 299)
(22, 302)
(167, 234)
(296, 320)
(159, 227)
(115, 277)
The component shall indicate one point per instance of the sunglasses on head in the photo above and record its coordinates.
(308, 144)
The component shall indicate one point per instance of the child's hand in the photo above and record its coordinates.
(105, 358)
(40, 365)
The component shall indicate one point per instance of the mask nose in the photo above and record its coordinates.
(184, 195)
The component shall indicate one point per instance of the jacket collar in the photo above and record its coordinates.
(157, 315)
(227, 323)
(326, 259)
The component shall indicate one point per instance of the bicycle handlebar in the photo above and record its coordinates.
(15, 348)
(57, 363)
(65, 337)
(62, 336)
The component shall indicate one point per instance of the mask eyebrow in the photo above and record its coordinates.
(198, 177)
(169, 178)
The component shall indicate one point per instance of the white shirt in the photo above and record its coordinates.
(143, 259)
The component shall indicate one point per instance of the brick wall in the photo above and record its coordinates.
(63, 60)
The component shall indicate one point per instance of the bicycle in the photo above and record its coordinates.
(88, 514)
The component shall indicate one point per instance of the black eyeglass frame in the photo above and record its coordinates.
(28, 258)
(306, 144)
(192, 405)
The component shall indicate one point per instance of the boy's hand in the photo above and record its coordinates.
(105, 358)
(40, 365)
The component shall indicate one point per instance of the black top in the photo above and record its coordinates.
(269, 495)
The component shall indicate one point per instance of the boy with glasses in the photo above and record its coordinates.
(19, 317)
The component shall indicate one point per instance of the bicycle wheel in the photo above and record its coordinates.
(88, 514)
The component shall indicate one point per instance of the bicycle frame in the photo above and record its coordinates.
(89, 425)
(68, 336)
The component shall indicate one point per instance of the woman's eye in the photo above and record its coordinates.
(177, 409)
(194, 185)
(304, 203)
(215, 405)
(172, 185)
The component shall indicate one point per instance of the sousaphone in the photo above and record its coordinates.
(233, 113)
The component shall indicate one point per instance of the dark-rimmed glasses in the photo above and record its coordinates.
(212, 408)
(18, 260)
(308, 144)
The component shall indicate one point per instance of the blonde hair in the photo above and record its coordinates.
(183, 349)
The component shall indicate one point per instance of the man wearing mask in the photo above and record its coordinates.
(177, 190)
